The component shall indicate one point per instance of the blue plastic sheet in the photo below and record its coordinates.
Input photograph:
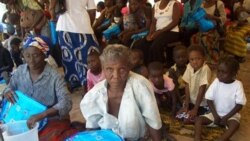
(97, 135)
(23, 109)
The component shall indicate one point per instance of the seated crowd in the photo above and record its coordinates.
(132, 62)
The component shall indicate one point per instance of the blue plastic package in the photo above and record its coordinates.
(54, 37)
(139, 35)
(111, 31)
(97, 135)
(204, 24)
(23, 109)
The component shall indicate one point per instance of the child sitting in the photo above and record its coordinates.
(142, 20)
(197, 77)
(237, 32)
(163, 87)
(137, 65)
(6, 63)
(177, 70)
(225, 98)
(15, 51)
(94, 74)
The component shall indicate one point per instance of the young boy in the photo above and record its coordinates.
(6, 63)
(197, 77)
(163, 87)
(177, 70)
(225, 98)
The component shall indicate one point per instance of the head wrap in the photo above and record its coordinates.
(40, 42)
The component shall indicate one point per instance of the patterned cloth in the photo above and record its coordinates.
(235, 42)
(210, 42)
(75, 48)
(38, 42)
(57, 130)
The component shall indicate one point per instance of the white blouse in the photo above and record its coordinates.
(138, 107)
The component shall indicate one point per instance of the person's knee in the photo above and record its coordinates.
(233, 124)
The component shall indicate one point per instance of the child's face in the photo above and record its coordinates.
(94, 63)
(98, 9)
(224, 74)
(180, 58)
(15, 48)
(156, 77)
(196, 60)
(133, 5)
(135, 59)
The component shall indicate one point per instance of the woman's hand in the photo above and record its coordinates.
(156, 34)
(10, 96)
(35, 118)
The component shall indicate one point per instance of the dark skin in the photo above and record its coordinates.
(156, 77)
(35, 60)
(138, 9)
(225, 76)
(116, 73)
(209, 3)
(175, 21)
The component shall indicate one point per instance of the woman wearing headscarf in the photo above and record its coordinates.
(43, 83)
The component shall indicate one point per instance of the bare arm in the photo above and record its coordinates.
(38, 117)
(200, 96)
(235, 110)
(212, 108)
(92, 15)
(99, 20)
(154, 134)
(187, 97)
(52, 6)
(175, 18)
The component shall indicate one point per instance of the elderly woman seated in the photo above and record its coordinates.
(40, 81)
(124, 101)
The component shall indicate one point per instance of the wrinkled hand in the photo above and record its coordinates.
(192, 113)
(33, 119)
(11, 96)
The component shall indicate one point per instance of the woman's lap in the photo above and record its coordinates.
(57, 130)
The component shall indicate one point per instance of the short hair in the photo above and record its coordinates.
(114, 52)
(15, 41)
(198, 49)
(179, 47)
(93, 52)
(231, 63)
(155, 66)
(101, 4)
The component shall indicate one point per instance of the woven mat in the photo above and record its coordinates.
(178, 128)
